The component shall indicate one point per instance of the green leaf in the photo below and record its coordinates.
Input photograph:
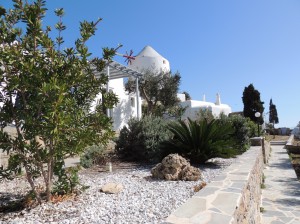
(59, 12)
(51, 120)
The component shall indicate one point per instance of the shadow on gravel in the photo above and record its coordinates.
(11, 202)
(210, 165)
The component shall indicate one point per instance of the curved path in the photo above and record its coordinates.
(281, 196)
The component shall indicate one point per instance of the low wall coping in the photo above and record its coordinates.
(290, 140)
(256, 141)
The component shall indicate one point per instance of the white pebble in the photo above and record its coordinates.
(142, 200)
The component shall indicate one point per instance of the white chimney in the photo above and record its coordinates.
(218, 101)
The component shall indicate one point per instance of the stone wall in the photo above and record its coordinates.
(232, 197)
(248, 209)
(266, 150)
(290, 140)
(290, 147)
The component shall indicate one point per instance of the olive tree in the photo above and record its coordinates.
(47, 94)
(159, 90)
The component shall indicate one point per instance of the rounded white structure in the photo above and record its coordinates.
(149, 59)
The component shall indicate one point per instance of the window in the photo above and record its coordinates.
(132, 102)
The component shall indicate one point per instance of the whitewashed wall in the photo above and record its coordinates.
(194, 106)
(125, 109)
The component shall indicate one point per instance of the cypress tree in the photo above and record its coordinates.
(273, 116)
(253, 104)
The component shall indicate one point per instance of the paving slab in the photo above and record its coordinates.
(281, 196)
(221, 201)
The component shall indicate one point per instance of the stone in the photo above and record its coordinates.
(112, 188)
(190, 173)
(256, 141)
(175, 167)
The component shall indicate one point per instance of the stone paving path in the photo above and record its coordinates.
(281, 196)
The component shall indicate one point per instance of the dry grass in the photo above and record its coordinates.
(199, 187)
(296, 142)
(277, 137)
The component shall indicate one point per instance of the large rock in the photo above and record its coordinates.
(111, 188)
(175, 167)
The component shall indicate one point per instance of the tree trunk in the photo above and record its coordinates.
(29, 178)
(149, 107)
(48, 182)
(50, 171)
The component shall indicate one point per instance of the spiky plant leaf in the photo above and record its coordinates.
(200, 140)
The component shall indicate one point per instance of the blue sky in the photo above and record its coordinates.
(217, 46)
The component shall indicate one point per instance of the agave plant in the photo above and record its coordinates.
(201, 140)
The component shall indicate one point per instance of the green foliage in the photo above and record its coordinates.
(2, 11)
(252, 128)
(252, 104)
(175, 112)
(187, 95)
(263, 178)
(93, 155)
(158, 90)
(141, 140)
(201, 140)
(205, 114)
(243, 130)
(67, 181)
(47, 93)
(273, 116)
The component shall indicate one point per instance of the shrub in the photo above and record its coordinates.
(205, 114)
(201, 140)
(93, 155)
(47, 93)
(242, 130)
(67, 182)
(252, 128)
(141, 140)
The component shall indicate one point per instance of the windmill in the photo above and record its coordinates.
(129, 57)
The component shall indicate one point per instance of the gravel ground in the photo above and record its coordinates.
(143, 200)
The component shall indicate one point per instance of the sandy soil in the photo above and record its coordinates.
(277, 137)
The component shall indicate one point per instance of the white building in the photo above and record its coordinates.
(194, 106)
(130, 104)
(149, 59)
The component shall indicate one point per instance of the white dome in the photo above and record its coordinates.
(149, 59)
